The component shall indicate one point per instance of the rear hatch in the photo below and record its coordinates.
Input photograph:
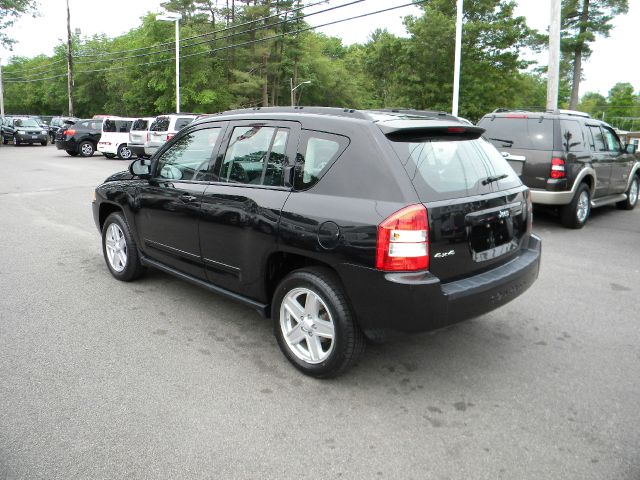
(477, 206)
(158, 131)
(526, 141)
(138, 133)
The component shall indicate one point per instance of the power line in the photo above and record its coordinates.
(227, 47)
(235, 34)
(42, 75)
(215, 32)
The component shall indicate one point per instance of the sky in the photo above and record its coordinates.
(612, 60)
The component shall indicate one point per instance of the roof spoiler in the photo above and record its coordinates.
(420, 133)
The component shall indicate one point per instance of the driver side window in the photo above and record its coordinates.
(188, 159)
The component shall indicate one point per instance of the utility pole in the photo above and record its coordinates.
(1, 93)
(457, 59)
(553, 75)
(69, 62)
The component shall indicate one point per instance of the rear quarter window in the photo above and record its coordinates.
(317, 152)
(572, 136)
(523, 133)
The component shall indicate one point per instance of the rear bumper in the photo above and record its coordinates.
(546, 197)
(137, 150)
(107, 147)
(415, 302)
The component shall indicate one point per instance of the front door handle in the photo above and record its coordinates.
(186, 198)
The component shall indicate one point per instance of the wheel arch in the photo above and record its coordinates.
(107, 209)
(280, 264)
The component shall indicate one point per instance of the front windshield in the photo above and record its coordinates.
(26, 122)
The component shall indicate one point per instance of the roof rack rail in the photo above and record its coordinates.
(573, 113)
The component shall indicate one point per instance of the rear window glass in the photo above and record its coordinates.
(140, 124)
(182, 122)
(160, 124)
(116, 126)
(524, 133)
(443, 170)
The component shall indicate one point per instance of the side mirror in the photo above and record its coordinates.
(630, 148)
(141, 168)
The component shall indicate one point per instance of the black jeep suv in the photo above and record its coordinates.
(339, 224)
(568, 159)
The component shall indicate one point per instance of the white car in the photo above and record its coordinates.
(115, 137)
(164, 128)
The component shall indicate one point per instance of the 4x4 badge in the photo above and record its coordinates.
(445, 254)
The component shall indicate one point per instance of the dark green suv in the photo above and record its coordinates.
(568, 160)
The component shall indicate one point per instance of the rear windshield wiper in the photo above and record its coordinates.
(506, 142)
(489, 180)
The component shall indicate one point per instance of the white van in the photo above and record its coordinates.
(115, 137)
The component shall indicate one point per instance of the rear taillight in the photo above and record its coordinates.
(170, 136)
(69, 132)
(557, 168)
(403, 240)
(148, 136)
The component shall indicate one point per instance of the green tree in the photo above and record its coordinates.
(582, 21)
(491, 44)
(10, 11)
(594, 104)
(623, 104)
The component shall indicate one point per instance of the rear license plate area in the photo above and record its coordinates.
(492, 239)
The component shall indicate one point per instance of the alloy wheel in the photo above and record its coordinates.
(582, 210)
(87, 149)
(307, 325)
(633, 192)
(116, 246)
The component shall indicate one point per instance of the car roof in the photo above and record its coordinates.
(403, 118)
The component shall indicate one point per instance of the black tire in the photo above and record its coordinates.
(16, 142)
(109, 155)
(124, 153)
(573, 214)
(86, 149)
(130, 268)
(347, 343)
(73, 153)
(632, 197)
(44, 143)
(5, 140)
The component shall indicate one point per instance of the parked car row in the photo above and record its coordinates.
(114, 136)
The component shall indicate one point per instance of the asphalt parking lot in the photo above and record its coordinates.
(159, 379)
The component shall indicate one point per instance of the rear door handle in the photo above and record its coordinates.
(186, 198)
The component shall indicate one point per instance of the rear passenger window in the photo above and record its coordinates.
(612, 140)
(598, 139)
(572, 137)
(189, 157)
(256, 155)
(318, 151)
